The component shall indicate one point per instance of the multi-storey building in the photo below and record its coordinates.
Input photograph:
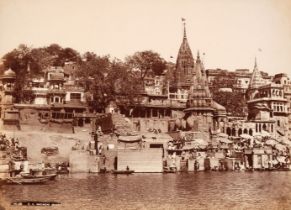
(267, 105)
(55, 98)
(284, 80)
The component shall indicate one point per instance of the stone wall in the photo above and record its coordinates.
(82, 162)
(146, 124)
(145, 160)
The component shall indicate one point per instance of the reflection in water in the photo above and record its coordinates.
(205, 190)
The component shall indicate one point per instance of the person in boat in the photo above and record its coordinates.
(127, 168)
(31, 172)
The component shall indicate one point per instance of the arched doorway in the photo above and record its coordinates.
(246, 131)
(250, 132)
(264, 127)
(228, 131)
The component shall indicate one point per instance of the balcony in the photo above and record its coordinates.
(39, 90)
(57, 91)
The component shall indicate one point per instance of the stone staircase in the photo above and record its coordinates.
(122, 124)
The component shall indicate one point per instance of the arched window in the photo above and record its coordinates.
(228, 131)
(264, 127)
(246, 131)
(250, 132)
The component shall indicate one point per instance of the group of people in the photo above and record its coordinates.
(6, 142)
(12, 147)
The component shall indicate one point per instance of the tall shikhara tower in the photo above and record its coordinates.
(184, 64)
(202, 113)
(256, 79)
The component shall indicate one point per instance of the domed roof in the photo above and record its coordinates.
(9, 73)
(218, 107)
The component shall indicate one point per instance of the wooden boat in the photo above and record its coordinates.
(29, 176)
(283, 169)
(63, 171)
(21, 180)
(123, 171)
(103, 171)
(170, 170)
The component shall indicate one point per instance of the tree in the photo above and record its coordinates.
(67, 55)
(234, 102)
(146, 63)
(92, 73)
(18, 60)
(41, 60)
(124, 83)
(36, 60)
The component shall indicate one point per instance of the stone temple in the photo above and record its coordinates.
(202, 113)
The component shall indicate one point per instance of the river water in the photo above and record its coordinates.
(201, 190)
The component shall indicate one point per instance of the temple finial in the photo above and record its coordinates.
(256, 65)
(184, 24)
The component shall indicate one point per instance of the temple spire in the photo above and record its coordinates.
(198, 55)
(185, 61)
(256, 78)
(184, 25)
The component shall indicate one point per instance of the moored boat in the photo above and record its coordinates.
(122, 171)
(21, 180)
(63, 171)
(29, 176)
(169, 170)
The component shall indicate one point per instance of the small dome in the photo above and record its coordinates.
(9, 72)
(217, 106)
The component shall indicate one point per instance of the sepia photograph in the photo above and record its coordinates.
(145, 104)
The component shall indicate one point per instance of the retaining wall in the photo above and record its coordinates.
(145, 160)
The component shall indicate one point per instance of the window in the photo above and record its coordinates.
(75, 96)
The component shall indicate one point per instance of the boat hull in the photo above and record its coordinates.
(123, 172)
(29, 176)
(20, 180)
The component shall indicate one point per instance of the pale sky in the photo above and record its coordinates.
(229, 32)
